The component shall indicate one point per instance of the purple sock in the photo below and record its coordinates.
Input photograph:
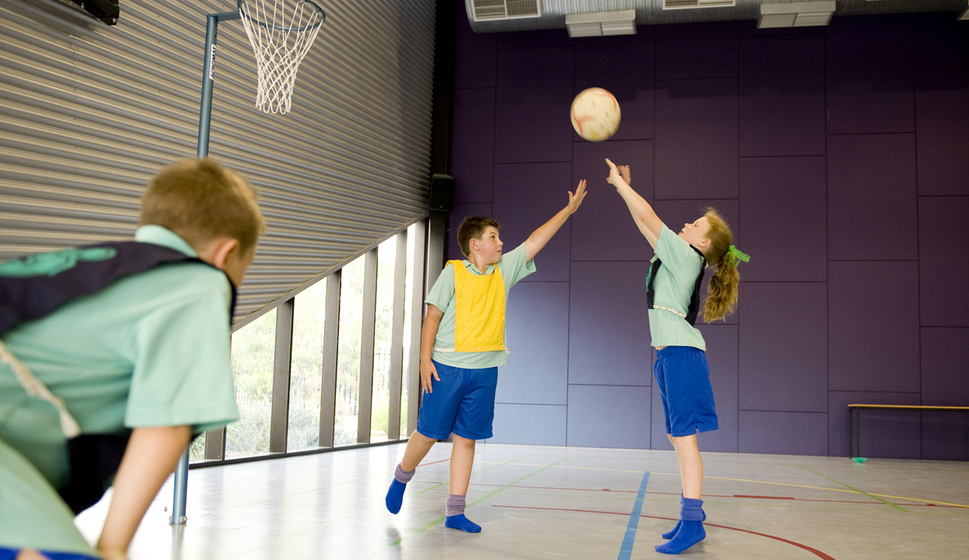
(454, 505)
(403, 476)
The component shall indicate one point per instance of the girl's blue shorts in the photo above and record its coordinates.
(462, 402)
(683, 378)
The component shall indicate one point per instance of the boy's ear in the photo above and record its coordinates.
(218, 251)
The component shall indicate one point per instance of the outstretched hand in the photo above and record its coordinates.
(575, 200)
(614, 173)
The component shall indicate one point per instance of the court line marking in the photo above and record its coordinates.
(476, 472)
(774, 483)
(916, 503)
(629, 539)
(853, 488)
(814, 551)
(367, 510)
(485, 497)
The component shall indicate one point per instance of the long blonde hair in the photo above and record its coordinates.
(724, 287)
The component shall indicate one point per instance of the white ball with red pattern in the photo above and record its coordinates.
(595, 114)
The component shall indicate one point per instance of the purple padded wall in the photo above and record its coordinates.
(783, 198)
(944, 301)
(626, 424)
(837, 156)
(788, 433)
(526, 196)
(942, 128)
(783, 347)
(608, 328)
(537, 330)
(872, 195)
(530, 424)
(696, 138)
(595, 66)
(882, 433)
(873, 326)
(869, 75)
(945, 353)
(603, 229)
(473, 155)
(534, 96)
(704, 50)
(782, 95)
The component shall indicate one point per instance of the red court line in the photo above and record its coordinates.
(813, 551)
(719, 495)
(750, 497)
(441, 461)
(433, 462)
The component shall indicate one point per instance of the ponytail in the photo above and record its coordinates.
(723, 291)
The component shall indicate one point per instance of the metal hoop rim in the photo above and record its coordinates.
(239, 4)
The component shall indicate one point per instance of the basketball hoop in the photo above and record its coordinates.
(281, 33)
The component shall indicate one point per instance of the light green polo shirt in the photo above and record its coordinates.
(672, 289)
(150, 350)
(513, 268)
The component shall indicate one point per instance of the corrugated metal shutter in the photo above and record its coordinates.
(88, 113)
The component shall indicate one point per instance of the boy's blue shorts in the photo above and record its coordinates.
(463, 403)
(10, 554)
(683, 378)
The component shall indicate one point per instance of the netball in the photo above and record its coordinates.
(595, 114)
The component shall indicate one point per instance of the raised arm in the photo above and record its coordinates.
(150, 457)
(643, 214)
(541, 236)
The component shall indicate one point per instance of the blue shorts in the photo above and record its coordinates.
(10, 554)
(463, 403)
(683, 378)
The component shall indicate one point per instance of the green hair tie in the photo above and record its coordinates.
(737, 255)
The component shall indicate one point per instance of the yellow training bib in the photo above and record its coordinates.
(479, 314)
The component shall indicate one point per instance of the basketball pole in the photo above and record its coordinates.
(205, 120)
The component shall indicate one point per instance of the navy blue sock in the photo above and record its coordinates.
(454, 510)
(676, 528)
(690, 528)
(463, 523)
(395, 495)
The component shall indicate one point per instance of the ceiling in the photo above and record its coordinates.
(651, 12)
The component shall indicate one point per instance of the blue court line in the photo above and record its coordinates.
(626, 550)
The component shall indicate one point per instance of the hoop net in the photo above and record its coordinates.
(281, 33)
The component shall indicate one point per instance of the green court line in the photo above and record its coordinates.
(855, 489)
(550, 465)
(476, 472)
(366, 510)
(485, 497)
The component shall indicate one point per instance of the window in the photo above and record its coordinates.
(253, 347)
(382, 348)
(348, 359)
(331, 312)
(306, 373)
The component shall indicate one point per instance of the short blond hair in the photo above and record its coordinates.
(201, 199)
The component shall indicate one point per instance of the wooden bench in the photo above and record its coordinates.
(855, 409)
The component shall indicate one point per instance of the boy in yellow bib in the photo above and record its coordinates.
(462, 345)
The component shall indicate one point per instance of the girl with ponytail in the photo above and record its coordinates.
(673, 301)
